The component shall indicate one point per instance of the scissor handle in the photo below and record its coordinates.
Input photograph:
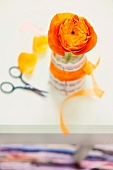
(15, 72)
(7, 87)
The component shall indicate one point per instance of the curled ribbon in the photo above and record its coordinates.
(95, 91)
(62, 75)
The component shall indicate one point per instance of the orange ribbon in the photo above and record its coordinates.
(95, 91)
(62, 75)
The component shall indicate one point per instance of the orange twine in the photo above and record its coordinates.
(63, 75)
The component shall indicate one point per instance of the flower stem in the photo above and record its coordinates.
(68, 57)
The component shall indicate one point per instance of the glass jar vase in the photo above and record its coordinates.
(65, 72)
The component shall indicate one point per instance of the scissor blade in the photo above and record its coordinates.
(39, 92)
(43, 91)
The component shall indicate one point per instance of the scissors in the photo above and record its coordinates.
(8, 87)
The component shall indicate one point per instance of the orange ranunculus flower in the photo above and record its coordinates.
(70, 33)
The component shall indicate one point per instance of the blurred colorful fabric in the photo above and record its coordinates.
(54, 157)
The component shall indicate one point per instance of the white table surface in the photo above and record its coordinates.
(23, 112)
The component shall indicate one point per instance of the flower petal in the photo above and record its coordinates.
(53, 36)
(40, 44)
(27, 62)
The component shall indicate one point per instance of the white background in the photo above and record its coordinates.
(26, 108)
